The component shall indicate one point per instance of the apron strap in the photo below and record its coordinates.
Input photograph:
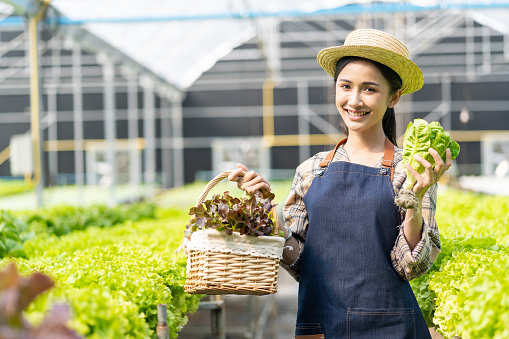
(388, 160)
(329, 156)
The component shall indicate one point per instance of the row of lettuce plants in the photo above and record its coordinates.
(465, 292)
(13, 187)
(16, 228)
(114, 277)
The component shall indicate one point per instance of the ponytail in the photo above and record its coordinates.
(389, 124)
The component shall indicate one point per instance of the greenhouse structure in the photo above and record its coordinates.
(156, 95)
(176, 97)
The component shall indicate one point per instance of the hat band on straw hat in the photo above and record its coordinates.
(377, 46)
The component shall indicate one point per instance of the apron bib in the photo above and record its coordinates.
(347, 286)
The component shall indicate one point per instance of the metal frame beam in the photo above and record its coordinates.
(110, 123)
(149, 131)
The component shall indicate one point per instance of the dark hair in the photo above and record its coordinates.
(395, 83)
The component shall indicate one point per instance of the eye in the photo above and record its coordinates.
(344, 86)
(370, 89)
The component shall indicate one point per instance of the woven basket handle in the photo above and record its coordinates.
(222, 176)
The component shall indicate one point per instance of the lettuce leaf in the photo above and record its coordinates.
(454, 147)
(418, 139)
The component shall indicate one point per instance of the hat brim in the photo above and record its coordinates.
(410, 74)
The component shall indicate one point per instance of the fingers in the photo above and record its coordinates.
(426, 177)
(250, 182)
(422, 180)
(244, 168)
(439, 163)
(235, 175)
(432, 173)
(440, 167)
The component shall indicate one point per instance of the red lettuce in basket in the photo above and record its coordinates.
(248, 216)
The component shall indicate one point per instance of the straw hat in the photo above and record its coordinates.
(378, 46)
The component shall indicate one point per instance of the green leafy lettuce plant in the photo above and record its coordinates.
(62, 220)
(11, 244)
(484, 304)
(451, 246)
(113, 277)
(418, 139)
(247, 216)
(465, 292)
(12, 187)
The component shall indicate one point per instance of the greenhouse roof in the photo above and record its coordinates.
(180, 40)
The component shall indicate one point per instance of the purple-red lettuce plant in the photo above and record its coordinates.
(16, 294)
(251, 215)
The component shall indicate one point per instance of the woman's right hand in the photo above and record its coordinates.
(250, 182)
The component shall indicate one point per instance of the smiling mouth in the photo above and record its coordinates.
(356, 114)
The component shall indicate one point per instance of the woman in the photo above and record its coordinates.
(353, 250)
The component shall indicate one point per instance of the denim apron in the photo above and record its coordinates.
(347, 286)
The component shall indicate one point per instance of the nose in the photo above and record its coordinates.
(355, 99)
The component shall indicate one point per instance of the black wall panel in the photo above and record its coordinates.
(470, 154)
(230, 98)
(428, 92)
(285, 96)
(121, 129)
(14, 54)
(483, 121)
(223, 127)
(93, 129)
(321, 95)
(65, 130)
(286, 125)
(285, 157)
(317, 149)
(196, 159)
(5, 168)
(9, 35)
(93, 101)
(66, 162)
(121, 100)
(10, 130)
(14, 103)
(480, 91)
(65, 102)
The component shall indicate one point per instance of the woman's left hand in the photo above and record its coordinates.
(431, 173)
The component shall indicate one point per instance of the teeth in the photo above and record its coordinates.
(357, 114)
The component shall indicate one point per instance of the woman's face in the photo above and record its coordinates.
(362, 96)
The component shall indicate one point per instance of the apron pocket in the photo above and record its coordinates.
(390, 323)
(309, 330)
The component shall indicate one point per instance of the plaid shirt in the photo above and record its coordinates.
(408, 264)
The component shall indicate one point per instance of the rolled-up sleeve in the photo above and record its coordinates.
(410, 264)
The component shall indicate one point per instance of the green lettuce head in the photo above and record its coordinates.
(419, 137)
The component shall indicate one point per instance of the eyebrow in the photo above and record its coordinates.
(364, 83)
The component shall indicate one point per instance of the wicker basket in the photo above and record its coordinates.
(210, 272)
